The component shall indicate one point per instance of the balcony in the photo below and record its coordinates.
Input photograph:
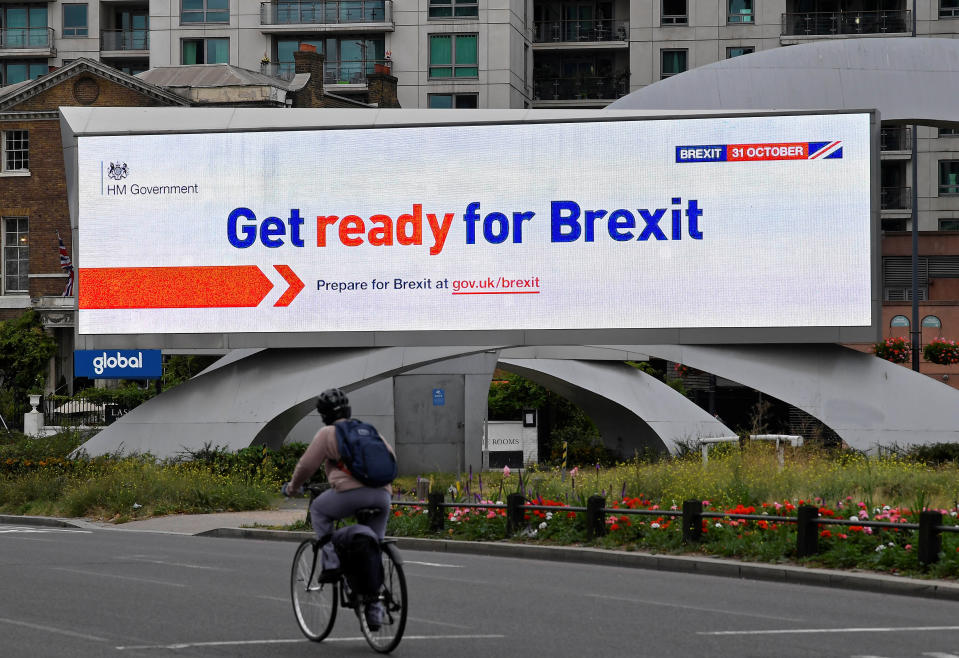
(348, 74)
(895, 139)
(580, 31)
(895, 198)
(122, 41)
(332, 15)
(27, 41)
(847, 23)
(581, 89)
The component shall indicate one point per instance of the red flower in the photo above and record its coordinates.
(825, 533)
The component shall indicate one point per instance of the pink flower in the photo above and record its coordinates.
(574, 472)
(908, 547)
(506, 471)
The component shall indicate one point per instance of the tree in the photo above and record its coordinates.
(25, 352)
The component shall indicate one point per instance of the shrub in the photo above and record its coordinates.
(896, 350)
(941, 351)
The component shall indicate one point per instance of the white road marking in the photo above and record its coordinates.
(173, 564)
(52, 629)
(434, 564)
(100, 574)
(34, 530)
(233, 643)
(689, 607)
(789, 631)
(937, 654)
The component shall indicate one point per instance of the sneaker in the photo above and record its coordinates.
(374, 615)
(330, 575)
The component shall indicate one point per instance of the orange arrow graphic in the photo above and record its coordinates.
(295, 285)
(214, 286)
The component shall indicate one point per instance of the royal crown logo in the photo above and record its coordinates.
(118, 170)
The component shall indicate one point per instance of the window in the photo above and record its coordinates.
(205, 11)
(75, 20)
(949, 132)
(949, 224)
(740, 11)
(741, 50)
(16, 254)
(18, 70)
(349, 59)
(948, 8)
(15, 151)
(674, 12)
(457, 101)
(674, 61)
(948, 177)
(899, 321)
(453, 56)
(205, 51)
(454, 8)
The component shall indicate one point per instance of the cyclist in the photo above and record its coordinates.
(347, 494)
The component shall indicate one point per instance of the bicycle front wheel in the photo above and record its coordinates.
(314, 603)
(391, 603)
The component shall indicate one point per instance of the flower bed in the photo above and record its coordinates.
(896, 350)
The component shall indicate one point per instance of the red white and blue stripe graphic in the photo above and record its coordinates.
(760, 152)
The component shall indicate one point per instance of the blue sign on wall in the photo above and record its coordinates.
(439, 397)
(118, 364)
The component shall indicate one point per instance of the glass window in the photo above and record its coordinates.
(453, 56)
(949, 132)
(948, 8)
(15, 151)
(16, 255)
(740, 11)
(932, 321)
(205, 11)
(470, 101)
(899, 321)
(948, 177)
(25, 27)
(674, 61)
(75, 20)
(205, 51)
(454, 8)
(740, 50)
(949, 224)
(674, 12)
(18, 70)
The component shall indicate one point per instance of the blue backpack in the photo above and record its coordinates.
(364, 454)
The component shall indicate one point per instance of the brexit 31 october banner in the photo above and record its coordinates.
(713, 222)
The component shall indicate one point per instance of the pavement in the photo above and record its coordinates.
(249, 525)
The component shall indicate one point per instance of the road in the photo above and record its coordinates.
(123, 593)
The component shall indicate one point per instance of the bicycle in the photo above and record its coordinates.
(315, 604)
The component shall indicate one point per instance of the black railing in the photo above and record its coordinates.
(807, 520)
(895, 138)
(579, 88)
(895, 198)
(65, 411)
(333, 72)
(125, 40)
(326, 12)
(558, 31)
(824, 23)
(26, 38)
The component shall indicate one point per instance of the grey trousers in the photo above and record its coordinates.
(331, 506)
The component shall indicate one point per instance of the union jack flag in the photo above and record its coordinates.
(67, 265)
(825, 150)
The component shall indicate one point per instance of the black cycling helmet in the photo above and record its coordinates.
(333, 405)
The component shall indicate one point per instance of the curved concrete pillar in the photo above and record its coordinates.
(867, 401)
(255, 397)
(633, 411)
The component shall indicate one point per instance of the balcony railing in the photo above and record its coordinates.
(334, 72)
(26, 38)
(580, 30)
(125, 40)
(895, 198)
(824, 23)
(579, 88)
(326, 12)
(897, 138)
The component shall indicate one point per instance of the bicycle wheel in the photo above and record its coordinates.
(314, 604)
(392, 598)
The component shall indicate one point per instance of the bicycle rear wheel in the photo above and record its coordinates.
(314, 604)
(392, 598)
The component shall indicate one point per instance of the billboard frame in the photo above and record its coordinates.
(79, 122)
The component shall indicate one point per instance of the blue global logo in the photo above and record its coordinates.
(118, 364)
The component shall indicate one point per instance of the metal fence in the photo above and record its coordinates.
(807, 520)
(65, 411)
(26, 38)
(334, 72)
(822, 23)
(326, 12)
(580, 30)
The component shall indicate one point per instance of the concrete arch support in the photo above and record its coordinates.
(633, 411)
(868, 401)
(255, 397)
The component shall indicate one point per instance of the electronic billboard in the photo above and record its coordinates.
(708, 225)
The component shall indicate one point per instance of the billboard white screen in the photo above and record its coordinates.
(713, 222)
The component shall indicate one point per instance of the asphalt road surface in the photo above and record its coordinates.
(122, 593)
